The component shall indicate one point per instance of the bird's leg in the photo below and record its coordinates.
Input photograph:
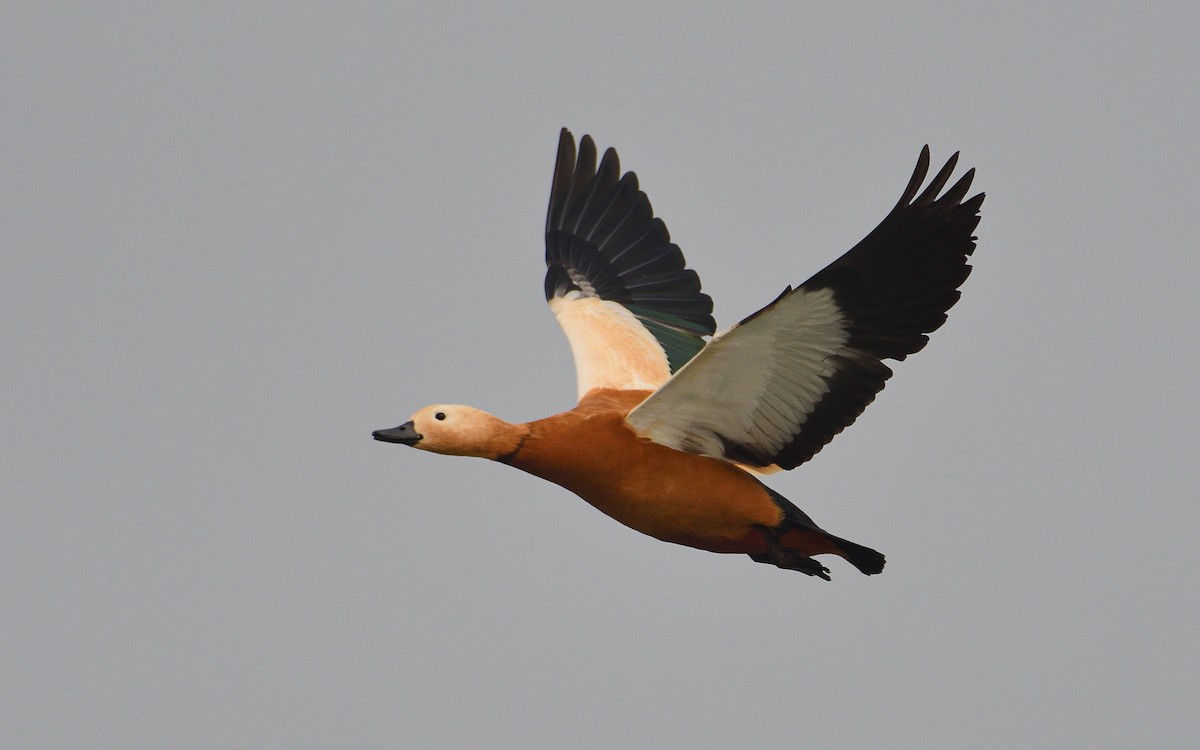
(781, 557)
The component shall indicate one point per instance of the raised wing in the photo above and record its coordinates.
(774, 389)
(632, 312)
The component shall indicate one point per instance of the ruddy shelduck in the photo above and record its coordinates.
(670, 430)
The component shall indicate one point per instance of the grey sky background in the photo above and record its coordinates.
(236, 239)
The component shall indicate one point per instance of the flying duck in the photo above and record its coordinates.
(672, 426)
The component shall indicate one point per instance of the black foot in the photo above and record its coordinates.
(782, 558)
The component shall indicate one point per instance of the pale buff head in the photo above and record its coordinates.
(455, 430)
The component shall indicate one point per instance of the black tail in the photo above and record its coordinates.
(867, 560)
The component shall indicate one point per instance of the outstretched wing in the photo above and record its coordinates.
(774, 389)
(632, 312)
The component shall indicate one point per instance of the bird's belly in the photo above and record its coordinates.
(689, 500)
(692, 519)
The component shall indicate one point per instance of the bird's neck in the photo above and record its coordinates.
(504, 441)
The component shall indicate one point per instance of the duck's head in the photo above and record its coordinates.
(454, 430)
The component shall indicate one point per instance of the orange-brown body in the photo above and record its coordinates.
(670, 495)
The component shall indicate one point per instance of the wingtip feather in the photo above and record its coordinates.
(918, 177)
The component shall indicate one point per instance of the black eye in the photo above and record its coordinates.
(440, 416)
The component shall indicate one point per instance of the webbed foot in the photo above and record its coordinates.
(788, 560)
